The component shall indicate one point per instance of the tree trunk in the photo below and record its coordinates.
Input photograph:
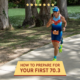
(34, 9)
(62, 4)
(44, 14)
(4, 20)
(28, 14)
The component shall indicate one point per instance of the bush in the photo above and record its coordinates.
(12, 5)
(73, 2)
(21, 4)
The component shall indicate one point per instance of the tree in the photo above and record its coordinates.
(4, 20)
(28, 14)
(62, 4)
(34, 9)
(44, 14)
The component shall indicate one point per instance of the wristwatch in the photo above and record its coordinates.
(65, 27)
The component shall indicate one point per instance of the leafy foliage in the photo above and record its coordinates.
(12, 5)
(73, 2)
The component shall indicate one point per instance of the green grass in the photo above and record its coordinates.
(16, 20)
(16, 16)
(21, 11)
(73, 9)
(16, 12)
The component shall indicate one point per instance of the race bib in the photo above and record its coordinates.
(55, 32)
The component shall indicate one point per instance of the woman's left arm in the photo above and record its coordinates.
(65, 22)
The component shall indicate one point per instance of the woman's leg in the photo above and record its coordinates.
(61, 42)
(56, 47)
(53, 43)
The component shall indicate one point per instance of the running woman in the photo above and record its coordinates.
(56, 21)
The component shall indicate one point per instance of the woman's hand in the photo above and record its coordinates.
(49, 22)
(64, 29)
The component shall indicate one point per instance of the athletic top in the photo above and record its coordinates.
(58, 23)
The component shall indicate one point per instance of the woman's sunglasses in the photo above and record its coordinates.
(54, 11)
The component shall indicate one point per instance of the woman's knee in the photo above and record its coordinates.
(56, 48)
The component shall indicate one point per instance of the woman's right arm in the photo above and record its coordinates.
(49, 22)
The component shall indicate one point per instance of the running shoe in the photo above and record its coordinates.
(60, 48)
(54, 59)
